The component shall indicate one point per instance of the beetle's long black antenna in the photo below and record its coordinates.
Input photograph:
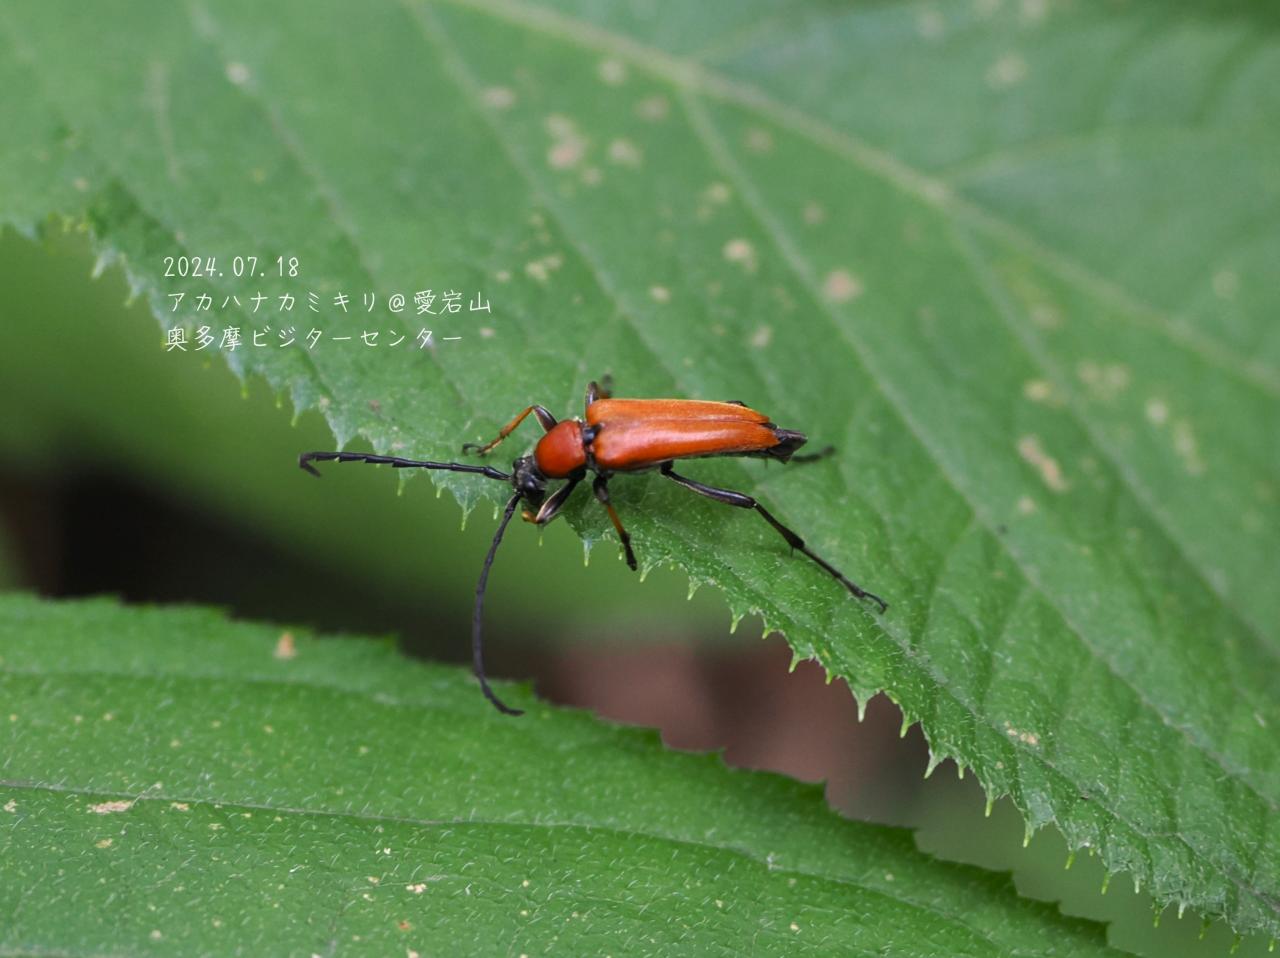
(477, 644)
(305, 460)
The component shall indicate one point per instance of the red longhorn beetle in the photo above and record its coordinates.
(618, 435)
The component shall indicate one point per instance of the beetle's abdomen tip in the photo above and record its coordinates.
(788, 442)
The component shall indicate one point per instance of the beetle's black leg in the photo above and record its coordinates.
(305, 460)
(743, 501)
(477, 644)
(545, 419)
(814, 456)
(601, 487)
(551, 508)
(733, 402)
(600, 389)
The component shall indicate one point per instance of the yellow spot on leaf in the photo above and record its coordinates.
(741, 251)
(1031, 451)
(930, 24)
(653, 108)
(499, 97)
(759, 140)
(111, 808)
(841, 286)
(612, 72)
(625, 153)
(1010, 70)
(1037, 390)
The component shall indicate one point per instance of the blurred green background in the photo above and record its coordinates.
(160, 477)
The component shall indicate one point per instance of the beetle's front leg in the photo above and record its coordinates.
(545, 419)
(551, 508)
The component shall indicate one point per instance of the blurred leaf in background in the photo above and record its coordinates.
(1008, 257)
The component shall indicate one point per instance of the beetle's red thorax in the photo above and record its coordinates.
(559, 453)
(640, 433)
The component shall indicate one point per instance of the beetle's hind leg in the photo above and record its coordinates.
(744, 501)
(601, 388)
(601, 487)
(818, 456)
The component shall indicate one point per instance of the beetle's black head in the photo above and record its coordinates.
(528, 480)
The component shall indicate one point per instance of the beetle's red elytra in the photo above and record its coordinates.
(617, 435)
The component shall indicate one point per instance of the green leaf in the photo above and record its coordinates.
(1011, 259)
(179, 784)
(130, 413)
